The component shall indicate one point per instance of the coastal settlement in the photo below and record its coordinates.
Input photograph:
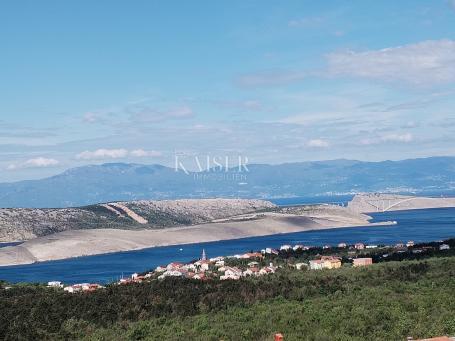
(269, 260)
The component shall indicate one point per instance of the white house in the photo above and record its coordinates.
(199, 276)
(231, 273)
(219, 263)
(316, 264)
(174, 266)
(70, 289)
(73, 288)
(85, 286)
(217, 259)
(202, 264)
(189, 267)
(55, 284)
(160, 269)
(285, 247)
(251, 272)
(171, 273)
(267, 270)
(359, 246)
(300, 266)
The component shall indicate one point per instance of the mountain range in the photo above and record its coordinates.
(125, 182)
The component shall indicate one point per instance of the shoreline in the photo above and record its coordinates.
(81, 243)
(385, 223)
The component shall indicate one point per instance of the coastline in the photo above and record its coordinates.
(78, 243)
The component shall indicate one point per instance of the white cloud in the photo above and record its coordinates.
(410, 125)
(308, 119)
(389, 138)
(100, 154)
(427, 62)
(424, 63)
(318, 143)
(145, 153)
(39, 162)
(397, 138)
(90, 117)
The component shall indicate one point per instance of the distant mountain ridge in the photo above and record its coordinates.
(125, 182)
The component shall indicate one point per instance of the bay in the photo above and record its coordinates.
(416, 225)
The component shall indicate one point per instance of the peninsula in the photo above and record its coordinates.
(51, 234)
(380, 202)
(215, 219)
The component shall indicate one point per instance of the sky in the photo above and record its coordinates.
(90, 82)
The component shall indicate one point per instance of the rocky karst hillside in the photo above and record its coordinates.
(329, 212)
(23, 224)
(383, 202)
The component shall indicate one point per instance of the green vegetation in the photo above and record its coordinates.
(387, 301)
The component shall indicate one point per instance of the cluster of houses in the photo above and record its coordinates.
(216, 268)
(356, 246)
(219, 268)
(81, 287)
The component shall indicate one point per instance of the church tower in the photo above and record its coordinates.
(204, 256)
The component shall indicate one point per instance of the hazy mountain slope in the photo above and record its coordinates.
(27, 223)
(112, 182)
(92, 184)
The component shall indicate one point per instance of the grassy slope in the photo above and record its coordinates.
(388, 310)
(384, 302)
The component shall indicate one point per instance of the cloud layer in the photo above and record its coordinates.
(39, 162)
(103, 154)
(424, 63)
(318, 143)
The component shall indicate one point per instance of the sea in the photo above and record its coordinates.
(417, 225)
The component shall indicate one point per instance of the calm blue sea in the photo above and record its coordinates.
(418, 225)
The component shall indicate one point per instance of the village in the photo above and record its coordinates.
(269, 260)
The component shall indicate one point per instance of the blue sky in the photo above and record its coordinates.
(114, 81)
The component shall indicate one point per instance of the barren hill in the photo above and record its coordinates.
(219, 223)
(24, 223)
(371, 202)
